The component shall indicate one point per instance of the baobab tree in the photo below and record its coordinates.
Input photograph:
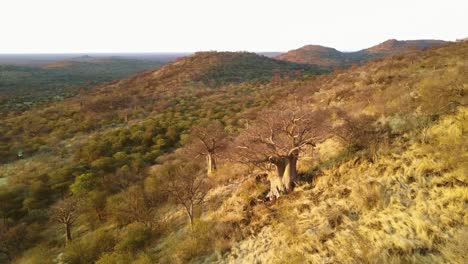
(66, 212)
(277, 137)
(208, 139)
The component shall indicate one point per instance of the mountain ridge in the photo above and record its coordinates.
(330, 57)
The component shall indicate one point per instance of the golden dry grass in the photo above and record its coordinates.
(407, 206)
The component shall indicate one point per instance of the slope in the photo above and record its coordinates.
(394, 187)
(397, 194)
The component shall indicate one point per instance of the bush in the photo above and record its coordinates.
(143, 259)
(124, 258)
(115, 258)
(36, 255)
(84, 183)
(89, 248)
(134, 238)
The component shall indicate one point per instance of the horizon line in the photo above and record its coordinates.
(206, 50)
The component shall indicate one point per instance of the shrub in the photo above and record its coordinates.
(135, 237)
(84, 183)
(89, 248)
(115, 258)
(143, 258)
(36, 255)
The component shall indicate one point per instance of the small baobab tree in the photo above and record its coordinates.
(276, 139)
(208, 139)
(66, 212)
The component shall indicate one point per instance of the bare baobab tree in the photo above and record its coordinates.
(276, 139)
(66, 212)
(208, 139)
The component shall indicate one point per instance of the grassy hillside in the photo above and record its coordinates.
(406, 205)
(329, 57)
(21, 86)
(127, 162)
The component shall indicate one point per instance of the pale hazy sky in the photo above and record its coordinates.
(58, 26)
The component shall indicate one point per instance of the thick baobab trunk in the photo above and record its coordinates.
(211, 163)
(276, 187)
(68, 233)
(276, 179)
(290, 173)
(285, 177)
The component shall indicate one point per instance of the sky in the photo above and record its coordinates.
(85, 26)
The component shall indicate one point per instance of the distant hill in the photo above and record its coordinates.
(270, 54)
(218, 68)
(330, 57)
(41, 60)
(317, 55)
(393, 46)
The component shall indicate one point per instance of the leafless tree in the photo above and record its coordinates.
(134, 205)
(277, 137)
(208, 139)
(186, 184)
(66, 212)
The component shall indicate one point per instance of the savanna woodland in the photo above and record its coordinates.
(234, 157)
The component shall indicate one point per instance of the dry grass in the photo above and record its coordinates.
(230, 214)
(408, 206)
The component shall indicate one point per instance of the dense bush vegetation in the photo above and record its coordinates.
(22, 87)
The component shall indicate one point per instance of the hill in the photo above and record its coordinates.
(219, 68)
(22, 87)
(320, 55)
(198, 74)
(164, 167)
(329, 57)
(393, 46)
(239, 78)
